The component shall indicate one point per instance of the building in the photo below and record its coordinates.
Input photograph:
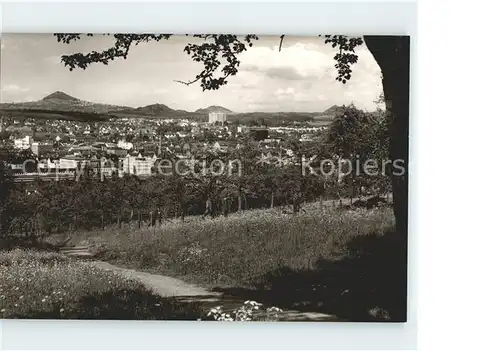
(224, 146)
(116, 151)
(41, 148)
(217, 117)
(137, 165)
(108, 168)
(85, 150)
(23, 143)
(122, 144)
(71, 162)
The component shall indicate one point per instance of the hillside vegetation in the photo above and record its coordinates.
(50, 285)
(240, 249)
(319, 260)
(331, 260)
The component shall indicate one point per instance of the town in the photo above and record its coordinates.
(57, 149)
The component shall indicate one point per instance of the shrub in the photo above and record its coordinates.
(250, 311)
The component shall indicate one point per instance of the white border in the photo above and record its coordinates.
(262, 18)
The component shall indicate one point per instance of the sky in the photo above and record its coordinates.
(300, 78)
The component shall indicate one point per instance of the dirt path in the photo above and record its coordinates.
(162, 285)
(172, 287)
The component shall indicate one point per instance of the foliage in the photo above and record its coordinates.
(6, 185)
(254, 243)
(362, 138)
(50, 285)
(213, 49)
(249, 311)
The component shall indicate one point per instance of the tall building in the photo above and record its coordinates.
(216, 117)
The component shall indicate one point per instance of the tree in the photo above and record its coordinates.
(6, 185)
(361, 137)
(219, 55)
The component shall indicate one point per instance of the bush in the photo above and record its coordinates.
(249, 311)
(50, 285)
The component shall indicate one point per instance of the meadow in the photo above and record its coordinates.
(239, 249)
(346, 262)
(38, 284)
(326, 259)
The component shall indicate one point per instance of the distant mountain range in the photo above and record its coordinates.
(60, 105)
(61, 102)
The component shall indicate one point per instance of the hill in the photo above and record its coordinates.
(59, 95)
(334, 110)
(213, 108)
(154, 110)
(62, 102)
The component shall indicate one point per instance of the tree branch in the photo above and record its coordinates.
(281, 41)
(214, 49)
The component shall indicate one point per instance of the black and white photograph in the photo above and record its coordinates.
(204, 177)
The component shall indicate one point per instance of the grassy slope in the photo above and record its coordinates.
(348, 263)
(49, 285)
(242, 249)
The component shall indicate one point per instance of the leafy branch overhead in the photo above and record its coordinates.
(121, 48)
(217, 52)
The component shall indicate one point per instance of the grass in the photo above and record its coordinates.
(343, 262)
(241, 250)
(40, 285)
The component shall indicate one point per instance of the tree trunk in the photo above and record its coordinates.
(352, 190)
(272, 199)
(246, 201)
(239, 201)
(139, 219)
(392, 54)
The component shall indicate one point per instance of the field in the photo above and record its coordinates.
(238, 250)
(40, 285)
(346, 262)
